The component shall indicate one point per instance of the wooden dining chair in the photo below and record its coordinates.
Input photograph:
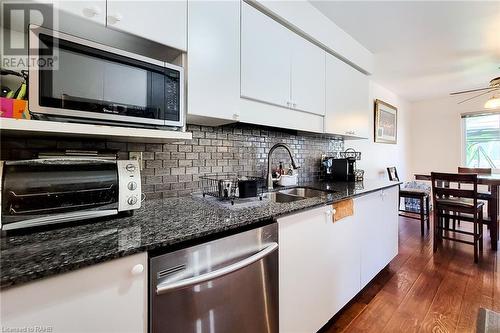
(448, 201)
(422, 196)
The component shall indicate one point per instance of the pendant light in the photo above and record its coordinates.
(492, 103)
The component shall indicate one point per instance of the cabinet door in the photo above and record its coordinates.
(107, 297)
(308, 76)
(265, 58)
(213, 60)
(347, 100)
(91, 10)
(305, 271)
(379, 231)
(345, 261)
(389, 214)
(164, 22)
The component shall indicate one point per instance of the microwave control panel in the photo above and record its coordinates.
(129, 185)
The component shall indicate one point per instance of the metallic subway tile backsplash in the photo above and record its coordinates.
(173, 169)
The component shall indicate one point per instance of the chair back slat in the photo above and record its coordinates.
(453, 192)
(479, 171)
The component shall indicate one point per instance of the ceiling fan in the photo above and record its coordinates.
(493, 102)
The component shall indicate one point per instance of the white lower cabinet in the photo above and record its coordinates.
(323, 265)
(345, 261)
(379, 235)
(306, 271)
(108, 297)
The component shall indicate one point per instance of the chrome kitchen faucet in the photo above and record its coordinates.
(269, 170)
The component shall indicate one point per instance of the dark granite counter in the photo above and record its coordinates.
(159, 225)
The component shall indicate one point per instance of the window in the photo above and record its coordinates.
(482, 141)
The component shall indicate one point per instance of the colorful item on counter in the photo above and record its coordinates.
(6, 107)
(20, 109)
(14, 108)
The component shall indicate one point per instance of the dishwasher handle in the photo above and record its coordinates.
(166, 287)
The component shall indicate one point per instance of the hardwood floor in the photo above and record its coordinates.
(422, 292)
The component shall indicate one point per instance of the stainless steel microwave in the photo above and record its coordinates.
(75, 79)
(56, 190)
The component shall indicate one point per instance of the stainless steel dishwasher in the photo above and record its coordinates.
(226, 285)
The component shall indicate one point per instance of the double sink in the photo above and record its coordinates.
(296, 194)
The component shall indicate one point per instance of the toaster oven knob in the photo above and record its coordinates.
(132, 201)
(130, 167)
(132, 186)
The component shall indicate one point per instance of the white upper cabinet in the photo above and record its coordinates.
(164, 22)
(91, 10)
(265, 58)
(278, 66)
(308, 76)
(213, 62)
(347, 100)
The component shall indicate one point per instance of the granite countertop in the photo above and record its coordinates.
(158, 225)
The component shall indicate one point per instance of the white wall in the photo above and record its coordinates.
(376, 157)
(436, 133)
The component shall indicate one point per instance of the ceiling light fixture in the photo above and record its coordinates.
(492, 103)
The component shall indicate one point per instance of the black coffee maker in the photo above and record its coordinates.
(341, 167)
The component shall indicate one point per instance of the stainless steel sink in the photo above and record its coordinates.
(305, 192)
(282, 197)
(295, 194)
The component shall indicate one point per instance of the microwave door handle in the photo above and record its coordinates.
(172, 286)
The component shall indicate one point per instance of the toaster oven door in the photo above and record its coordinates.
(38, 192)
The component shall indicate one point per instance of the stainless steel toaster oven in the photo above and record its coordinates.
(54, 190)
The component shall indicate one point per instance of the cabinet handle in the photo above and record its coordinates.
(328, 215)
(137, 269)
(91, 11)
(113, 19)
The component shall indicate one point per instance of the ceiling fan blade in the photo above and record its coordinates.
(468, 99)
(472, 90)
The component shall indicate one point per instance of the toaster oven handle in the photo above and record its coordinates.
(171, 286)
(28, 195)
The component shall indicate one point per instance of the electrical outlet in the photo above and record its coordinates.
(136, 155)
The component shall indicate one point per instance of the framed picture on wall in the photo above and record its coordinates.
(386, 122)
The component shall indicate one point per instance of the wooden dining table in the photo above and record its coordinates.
(493, 181)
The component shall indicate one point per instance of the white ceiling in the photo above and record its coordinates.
(424, 49)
